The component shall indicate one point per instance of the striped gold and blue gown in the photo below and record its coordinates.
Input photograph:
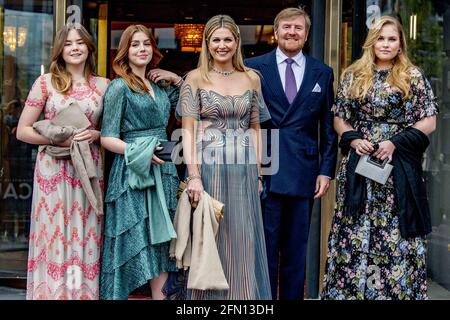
(229, 173)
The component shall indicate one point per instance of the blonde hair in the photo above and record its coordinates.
(361, 72)
(121, 65)
(60, 77)
(205, 61)
(291, 13)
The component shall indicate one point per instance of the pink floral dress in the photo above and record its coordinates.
(65, 232)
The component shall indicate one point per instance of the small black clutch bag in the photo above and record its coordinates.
(169, 151)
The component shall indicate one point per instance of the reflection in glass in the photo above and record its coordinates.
(26, 47)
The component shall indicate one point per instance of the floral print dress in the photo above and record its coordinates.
(65, 231)
(367, 257)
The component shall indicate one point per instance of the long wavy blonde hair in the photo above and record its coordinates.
(61, 77)
(361, 72)
(121, 65)
(205, 62)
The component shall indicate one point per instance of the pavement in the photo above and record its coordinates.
(435, 292)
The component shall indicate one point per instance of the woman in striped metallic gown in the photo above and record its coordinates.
(221, 108)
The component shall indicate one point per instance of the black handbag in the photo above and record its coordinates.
(169, 152)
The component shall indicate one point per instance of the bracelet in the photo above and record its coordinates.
(260, 178)
(179, 82)
(51, 142)
(195, 176)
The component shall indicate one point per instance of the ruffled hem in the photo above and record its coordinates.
(130, 208)
(124, 214)
(127, 229)
(119, 250)
(118, 283)
(129, 260)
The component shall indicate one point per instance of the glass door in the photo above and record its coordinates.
(26, 31)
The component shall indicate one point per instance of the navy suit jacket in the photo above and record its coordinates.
(307, 140)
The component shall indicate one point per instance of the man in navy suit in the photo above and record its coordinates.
(298, 91)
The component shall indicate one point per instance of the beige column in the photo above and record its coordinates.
(332, 58)
(102, 43)
(60, 14)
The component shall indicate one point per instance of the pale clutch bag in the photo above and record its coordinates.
(374, 168)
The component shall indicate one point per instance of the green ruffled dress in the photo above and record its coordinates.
(128, 259)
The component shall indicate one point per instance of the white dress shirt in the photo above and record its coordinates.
(298, 67)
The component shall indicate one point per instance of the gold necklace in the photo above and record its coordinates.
(224, 73)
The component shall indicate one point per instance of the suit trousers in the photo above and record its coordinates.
(286, 228)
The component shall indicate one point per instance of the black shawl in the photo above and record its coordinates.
(355, 187)
(410, 192)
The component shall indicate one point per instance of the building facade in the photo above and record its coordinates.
(338, 30)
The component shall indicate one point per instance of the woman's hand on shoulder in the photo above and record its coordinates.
(160, 74)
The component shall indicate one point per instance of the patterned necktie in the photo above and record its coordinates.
(290, 85)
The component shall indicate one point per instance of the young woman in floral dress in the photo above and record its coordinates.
(65, 234)
(374, 252)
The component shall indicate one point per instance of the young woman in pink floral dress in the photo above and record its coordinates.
(65, 234)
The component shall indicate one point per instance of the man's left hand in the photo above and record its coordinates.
(322, 185)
